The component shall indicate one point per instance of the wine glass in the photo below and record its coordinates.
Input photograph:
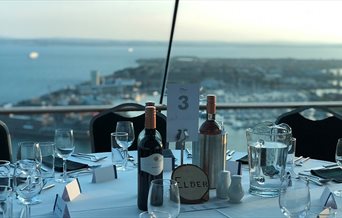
(163, 197)
(5, 167)
(126, 126)
(29, 151)
(294, 197)
(64, 145)
(338, 158)
(27, 182)
(118, 140)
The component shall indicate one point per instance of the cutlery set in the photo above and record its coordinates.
(91, 157)
(299, 161)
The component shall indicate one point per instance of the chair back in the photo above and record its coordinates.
(104, 123)
(5, 143)
(315, 138)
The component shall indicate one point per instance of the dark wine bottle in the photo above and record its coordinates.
(210, 126)
(150, 157)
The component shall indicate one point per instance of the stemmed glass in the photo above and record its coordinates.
(163, 197)
(64, 145)
(27, 182)
(294, 197)
(126, 126)
(338, 158)
(29, 151)
(119, 138)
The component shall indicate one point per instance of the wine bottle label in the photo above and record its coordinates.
(152, 164)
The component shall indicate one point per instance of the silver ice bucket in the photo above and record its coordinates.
(209, 153)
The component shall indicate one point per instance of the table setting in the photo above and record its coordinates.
(206, 179)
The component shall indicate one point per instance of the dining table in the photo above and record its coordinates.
(118, 197)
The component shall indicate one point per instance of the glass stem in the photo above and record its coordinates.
(64, 170)
(125, 158)
(28, 211)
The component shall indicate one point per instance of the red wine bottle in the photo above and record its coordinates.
(210, 126)
(150, 157)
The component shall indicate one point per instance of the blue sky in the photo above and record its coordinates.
(217, 20)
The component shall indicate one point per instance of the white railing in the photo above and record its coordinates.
(224, 106)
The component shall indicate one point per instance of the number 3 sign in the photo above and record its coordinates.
(182, 110)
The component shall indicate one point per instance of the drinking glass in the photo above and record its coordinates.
(5, 172)
(126, 126)
(29, 151)
(121, 139)
(155, 214)
(163, 197)
(48, 160)
(5, 201)
(294, 197)
(64, 147)
(27, 182)
(338, 158)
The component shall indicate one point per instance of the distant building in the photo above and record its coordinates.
(95, 78)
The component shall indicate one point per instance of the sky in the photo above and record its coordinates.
(309, 21)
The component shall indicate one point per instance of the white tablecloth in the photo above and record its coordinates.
(118, 198)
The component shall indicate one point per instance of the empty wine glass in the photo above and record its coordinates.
(5, 172)
(64, 145)
(163, 197)
(294, 197)
(27, 182)
(126, 126)
(121, 139)
(30, 152)
(338, 158)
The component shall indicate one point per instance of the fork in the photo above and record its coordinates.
(301, 162)
(90, 157)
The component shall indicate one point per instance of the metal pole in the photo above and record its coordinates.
(169, 51)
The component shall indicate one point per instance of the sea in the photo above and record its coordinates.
(60, 65)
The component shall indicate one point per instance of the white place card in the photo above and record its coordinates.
(104, 174)
(327, 199)
(71, 190)
(182, 111)
(60, 208)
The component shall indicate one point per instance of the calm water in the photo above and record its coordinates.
(61, 65)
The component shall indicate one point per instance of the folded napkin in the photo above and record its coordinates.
(331, 173)
(71, 165)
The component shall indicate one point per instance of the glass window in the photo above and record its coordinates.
(78, 52)
(259, 52)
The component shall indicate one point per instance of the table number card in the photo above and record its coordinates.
(234, 167)
(327, 199)
(71, 190)
(104, 174)
(182, 111)
(60, 208)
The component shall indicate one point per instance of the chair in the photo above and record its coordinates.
(104, 123)
(5, 143)
(315, 138)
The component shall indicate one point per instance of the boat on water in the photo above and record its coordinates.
(33, 55)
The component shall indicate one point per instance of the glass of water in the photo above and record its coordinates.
(294, 197)
(64, 145)
(163, 197)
